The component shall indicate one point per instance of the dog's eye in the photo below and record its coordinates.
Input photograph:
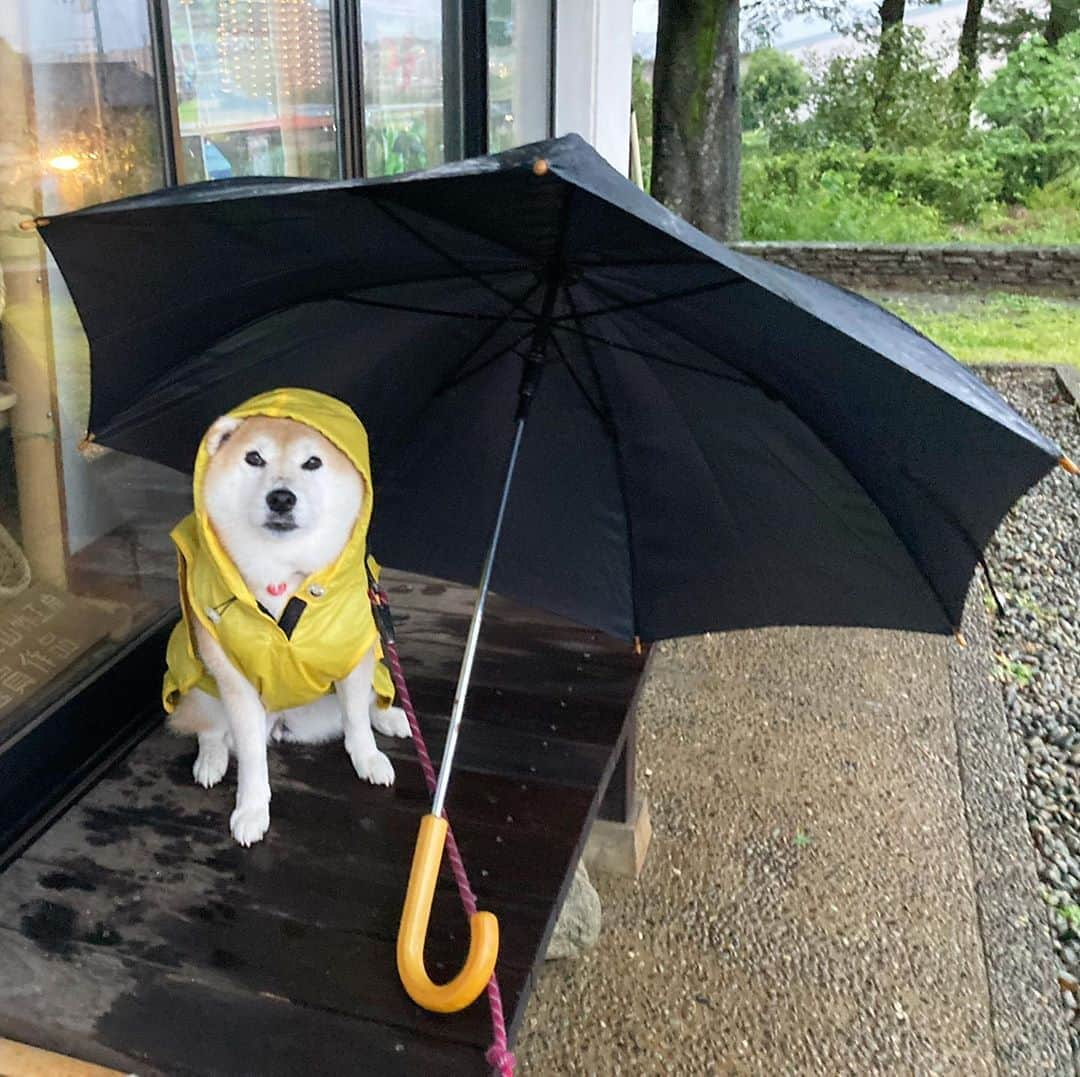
(254, 458)
(312, 463)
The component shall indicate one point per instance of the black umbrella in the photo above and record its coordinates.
(714, 442)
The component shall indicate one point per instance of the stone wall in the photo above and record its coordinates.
(1037, 270)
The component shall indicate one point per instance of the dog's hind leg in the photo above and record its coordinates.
(390, 721)
(212, 760)
(314, 723)
(355, 694)
(200, 713)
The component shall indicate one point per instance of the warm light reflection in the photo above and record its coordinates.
(65, 162)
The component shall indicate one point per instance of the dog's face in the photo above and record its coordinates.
(279, 481)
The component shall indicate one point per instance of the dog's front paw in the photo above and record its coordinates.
(249, 822)
(374, 767)
(391, 721)
(211, 764)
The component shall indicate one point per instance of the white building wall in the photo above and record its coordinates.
(594, 45)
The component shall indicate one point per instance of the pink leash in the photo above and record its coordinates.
(499, 1055)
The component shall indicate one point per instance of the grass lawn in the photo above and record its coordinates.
(995, 328)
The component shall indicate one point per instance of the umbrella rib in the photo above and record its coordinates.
(467, 374)
(463, 375)
(605, 420)
(596, 339)
(711, 472)
(746, 378)
(635, 304)
(439, 277)
(433, 246)
(490, 332)
(620, 469)
(436, 312)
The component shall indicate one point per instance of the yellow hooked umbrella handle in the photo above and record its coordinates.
(466, 986)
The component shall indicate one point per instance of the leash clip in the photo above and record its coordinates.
(384, 621)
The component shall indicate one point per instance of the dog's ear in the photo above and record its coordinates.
(220, 432)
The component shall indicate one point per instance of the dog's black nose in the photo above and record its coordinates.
(281, 500)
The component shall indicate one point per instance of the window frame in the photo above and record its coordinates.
(465, 88)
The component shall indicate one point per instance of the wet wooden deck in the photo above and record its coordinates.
(135, 932)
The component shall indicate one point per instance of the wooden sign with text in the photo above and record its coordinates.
(42, 632)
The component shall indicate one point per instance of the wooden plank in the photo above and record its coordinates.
(333, 905)
(541, 676)
(22, 1060)
(158, 779)
(305, 838)
(510, 635)
(218, 941)
(576, 718)
(407, 591)
(184, 1028)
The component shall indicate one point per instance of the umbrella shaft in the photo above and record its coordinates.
(464, 676)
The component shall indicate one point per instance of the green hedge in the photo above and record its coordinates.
(957, 184)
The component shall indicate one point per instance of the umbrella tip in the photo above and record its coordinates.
(29, 224)
(540, 167)
(960, 638)
(1069, 466)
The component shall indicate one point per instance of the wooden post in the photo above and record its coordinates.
(27, 342)
(620, 836)
(635, 152)
(618, 802)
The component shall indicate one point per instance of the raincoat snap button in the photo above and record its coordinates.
(316, 591)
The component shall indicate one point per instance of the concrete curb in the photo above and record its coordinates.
(1027, 1016)
(1069, 379)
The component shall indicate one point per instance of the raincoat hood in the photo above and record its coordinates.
(337, 422)
(326, 627)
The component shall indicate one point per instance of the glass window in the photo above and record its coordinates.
(403, 84)
(255, 88)
(84, 558)
(519, 72)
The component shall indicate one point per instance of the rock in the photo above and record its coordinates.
(1035, 558)
(578, 926)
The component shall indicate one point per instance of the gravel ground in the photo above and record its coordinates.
(1035, 561)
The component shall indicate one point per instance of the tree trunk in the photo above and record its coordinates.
(967, 69)
(697, 129)
(1064, 19)
(969, 41)
(891, 13)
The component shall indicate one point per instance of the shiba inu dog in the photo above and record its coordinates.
(277, 640)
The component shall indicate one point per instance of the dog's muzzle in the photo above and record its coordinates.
(281, 502)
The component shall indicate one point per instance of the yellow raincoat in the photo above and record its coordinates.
(336, 627)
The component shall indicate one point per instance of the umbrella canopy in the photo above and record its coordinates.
(715, 442)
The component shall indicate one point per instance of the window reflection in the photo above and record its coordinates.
(403, 84)
(255, 86)
(519, 40)
(84, 559)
